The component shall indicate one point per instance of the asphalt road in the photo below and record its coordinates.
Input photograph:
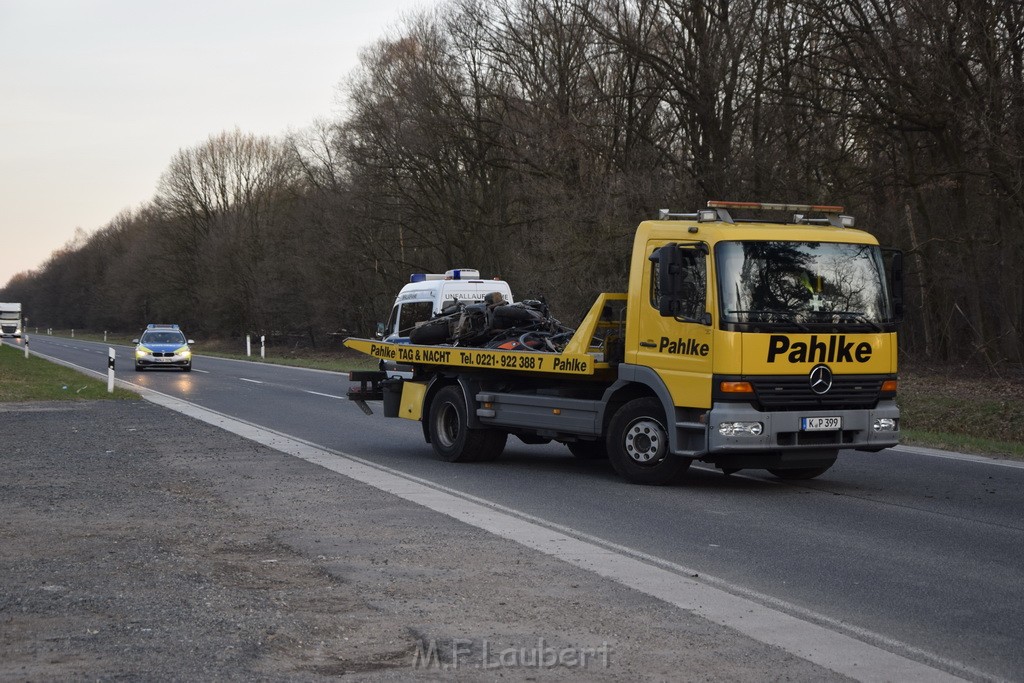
(897, 548)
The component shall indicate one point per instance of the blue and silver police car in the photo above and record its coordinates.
(163, 346)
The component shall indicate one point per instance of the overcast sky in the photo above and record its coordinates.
(96, 96)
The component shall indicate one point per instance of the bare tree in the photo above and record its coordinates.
(219, 201)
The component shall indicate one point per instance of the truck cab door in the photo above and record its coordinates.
(674, 325)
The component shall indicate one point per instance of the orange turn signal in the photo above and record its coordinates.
(889, 386)
(736, 388)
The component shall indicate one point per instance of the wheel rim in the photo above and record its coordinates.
(447, 424)
(646, 443)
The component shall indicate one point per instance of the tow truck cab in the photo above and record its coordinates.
(774, 341)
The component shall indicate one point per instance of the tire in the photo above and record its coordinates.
(187, 368)
(138, 368)
(431, 333)
(638, 445)
(513, 315)
(452, 439)
(589, 450)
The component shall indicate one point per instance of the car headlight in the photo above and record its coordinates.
(142, 351)
(183, 351)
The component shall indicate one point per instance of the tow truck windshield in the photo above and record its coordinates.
(802, 285)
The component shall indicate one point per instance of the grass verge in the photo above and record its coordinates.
(35, 379)
(962, 443)
(337, 361)
(963, 409)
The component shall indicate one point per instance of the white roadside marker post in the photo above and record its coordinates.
(25, 339)
(248, 346)
(110, 370)
(263, 347)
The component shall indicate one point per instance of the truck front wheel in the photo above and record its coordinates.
(638, 444)
(450, 434)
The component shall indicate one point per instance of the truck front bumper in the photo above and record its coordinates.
(862, 430)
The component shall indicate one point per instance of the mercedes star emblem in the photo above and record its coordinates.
(821, 379)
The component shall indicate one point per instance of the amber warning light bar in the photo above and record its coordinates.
(765, 206)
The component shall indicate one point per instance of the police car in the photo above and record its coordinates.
(163, 346)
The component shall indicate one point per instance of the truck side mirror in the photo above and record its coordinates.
(380, 330)
(669, 265)
(679, 284)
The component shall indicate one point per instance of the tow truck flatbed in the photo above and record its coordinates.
(581, 356)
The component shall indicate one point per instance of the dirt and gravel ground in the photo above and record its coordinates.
(136, 543)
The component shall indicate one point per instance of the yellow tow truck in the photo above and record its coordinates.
(741, 342)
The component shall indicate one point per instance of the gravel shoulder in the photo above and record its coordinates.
(137, 543)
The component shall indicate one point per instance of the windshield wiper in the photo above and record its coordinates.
(788, 316)
(858, 316)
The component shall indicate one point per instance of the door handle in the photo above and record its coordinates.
(650, 345)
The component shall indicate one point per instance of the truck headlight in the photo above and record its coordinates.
(886, 424)
(740, 429)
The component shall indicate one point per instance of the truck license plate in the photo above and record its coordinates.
(821, 424)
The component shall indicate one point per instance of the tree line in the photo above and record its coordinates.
(527, 138)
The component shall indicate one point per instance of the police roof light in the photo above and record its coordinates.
(463, 274)
(423, 277)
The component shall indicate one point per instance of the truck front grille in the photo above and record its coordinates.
(794, 393)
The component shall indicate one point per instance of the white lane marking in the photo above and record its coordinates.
(746, 613)
(205, 372)
(317, 393)
(254, 381)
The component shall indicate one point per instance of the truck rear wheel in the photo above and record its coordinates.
(638, 445)
(450, 434)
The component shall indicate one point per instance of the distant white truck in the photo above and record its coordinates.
(10, 320)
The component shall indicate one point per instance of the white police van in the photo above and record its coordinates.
(428, 294)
